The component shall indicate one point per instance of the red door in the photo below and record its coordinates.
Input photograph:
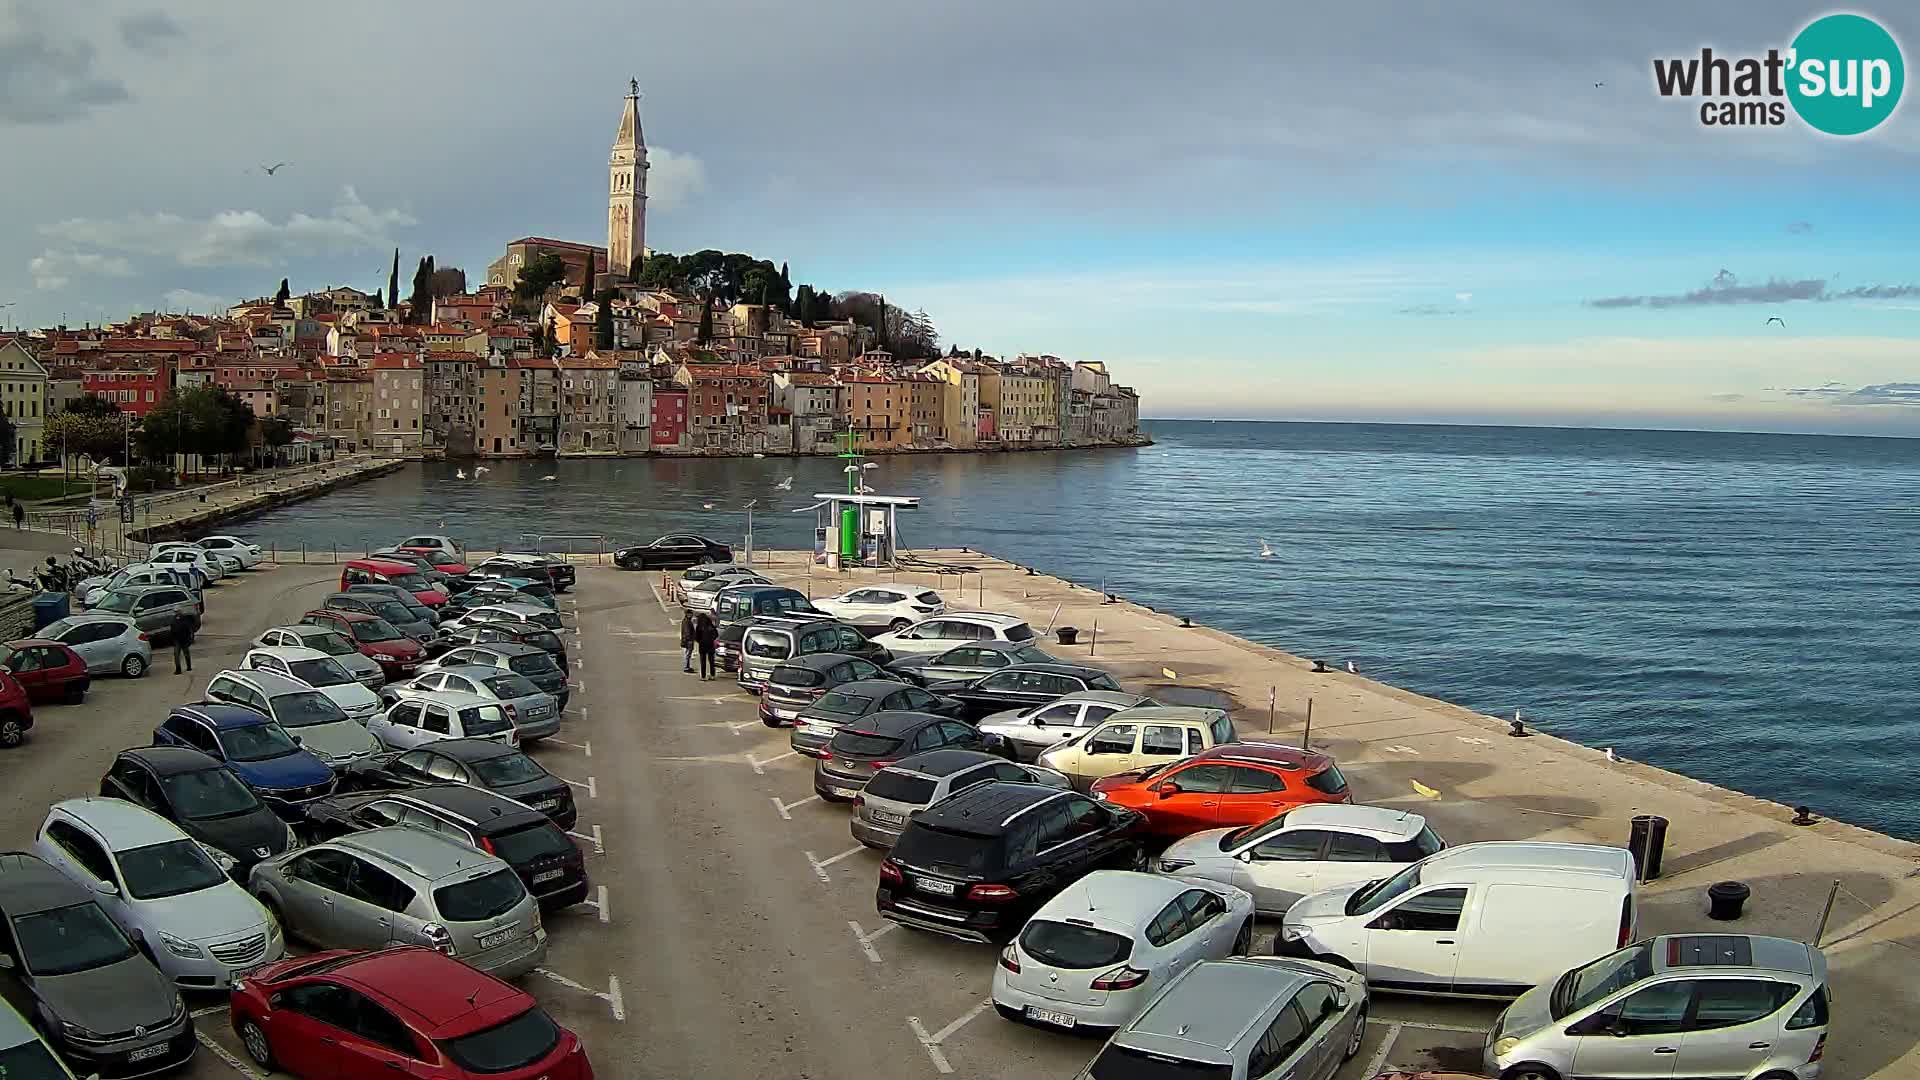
(1253, 796)
(26, 665)
(309, 1023)
(1195, 806)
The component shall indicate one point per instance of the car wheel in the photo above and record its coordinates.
(76, 693)
(898, 625)
(1529, 1070)
(133, 666)
(1359, 1036)
(704, 560)
(1243, 942)
(11, 733)
(255, 1040)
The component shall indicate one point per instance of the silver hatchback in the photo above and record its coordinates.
(403, 885)
(914, 783)
(534, 712)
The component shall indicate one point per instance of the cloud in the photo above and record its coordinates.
(189, 300)
(239, 237)
(1725, 289)
(1464, 297)
(56, 269)
(1726, 397)
(1799, 228)
(48, 78)
(1430, 311)
(1887, 393)
(673, 178)
(149, 31)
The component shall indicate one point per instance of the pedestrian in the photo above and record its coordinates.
(183, 628)
(706, 635)
(687, 642)
(19, 516)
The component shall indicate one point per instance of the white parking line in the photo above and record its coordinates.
(662, 601)
(866, 940)
(585, 747)
(222, 1053)
(599, 845)
(611, 997)
(1379, 1062)
(208, 1011)
(932, 1042)
(592, 789)
(599, 905)
(820, 865)
(760, 767)
(1424, 1026)
(783, 808)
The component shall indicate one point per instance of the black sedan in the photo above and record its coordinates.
(200, 795)
(844, 704)
(861, 749)
(675, 552)
(965, 663)
(1025, 685)
(478, 762)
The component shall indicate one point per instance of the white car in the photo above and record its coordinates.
(94, 589)
(943, 632)
(445, 545)
(323, 673)
(1301, 851)
(170, 894)
(227, 561)
(1095, 954)
(248, 555)
(428, 717)
(327, 640)
(892, 606)
(524, 614)
(193, 557)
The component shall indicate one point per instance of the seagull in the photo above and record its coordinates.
(706, 506)
(1598, 85)
(1611, 756)
(459, 474)
(1265, 551)
(1351, 669)
(1771, 319)
(549, 476)
(785, 485)
(271, 169)
(480, 471)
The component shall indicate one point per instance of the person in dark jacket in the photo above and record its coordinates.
(182, 630)
(687, 641)
(706, 634)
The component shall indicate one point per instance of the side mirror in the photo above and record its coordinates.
(106, 888)
(1339, 998)
(1245, 856)
(1167, 789)
(6, 962)
(298, 741)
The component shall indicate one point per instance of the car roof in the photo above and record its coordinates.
(1101, 697)
(1075, 671)
(122, 824)
(95, 617)
(221, 715)
(506, 648)
(21, 643)
(1114, 899)
(1278, 755)
(891, 722)
(342, 614)
(382, 565)
(1379, 822)
(757, 587)
(1732, 950)
(454, 699)
(142, 590)
(1167, 714)
(170, 760)
(875, 687)
(469, 749)
(943, 762)
(29, 884)
(989, 618)
(1215, 1004)
(270, 683)
(438, 991)
(515, 608)
(986, 809)
(1562, 863)
(472, 671)
(287, 652)
(478, 805)
(820, 661)
(425, 852)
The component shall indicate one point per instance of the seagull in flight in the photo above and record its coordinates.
(706, 506)
(1771, 319)
(459, 474)
(549, 476)
(1265, 551)
(271, 169)
(480, 471)
(1598, 85)
(785, 485)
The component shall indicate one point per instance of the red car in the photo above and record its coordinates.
(387, 572)
(397, 654)
(405, 1011)
(16, 712)
(1230, 785)
(49, 670)
(439, 560)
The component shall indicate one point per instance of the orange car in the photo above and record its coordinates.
(1230, 785)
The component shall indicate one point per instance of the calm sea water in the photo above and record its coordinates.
(1739, 608)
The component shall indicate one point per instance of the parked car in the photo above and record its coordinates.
(533, 712)
(102, 1005)
(726, 647)
(528, 590)
(384, 572)
(889, 607)
(247, 554)
(1303, 851)
(434, 544)
(162, 887)
(965, 663)
(1027, 733)
(91, 591)
(109, 644)
(205, 563)
(918, 781)
(556, 570)
(488, 633)
(673, 552)
(325, 639)
(407, 886)
(419, 611)
(524, 838)
(1711, 1005)
(772, 638)
(978, 864)
(48, 670)
(448, 573)
(16, 712)
(404, 1009)
(513, 613)
(1493, 919)
(796, 683)
(1232, 784)
(1024, 686)
(817, 724)
(1138, 738)
(322, 726)
(228, 563)
(321, 672)
(943, 632)
(531, 662)
(701, 572)
(23, 1052)
(700, 595)
(1243, 1019)
(740, 603)
(480, 763)
(377, 639)
(203, 797)
(258, 750)
(152, 608)
(1094, 955)
(501, 590)
(398, 615)
(879, 740)
(430, 717)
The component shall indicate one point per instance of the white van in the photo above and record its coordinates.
(1489, 920)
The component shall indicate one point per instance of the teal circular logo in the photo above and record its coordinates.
(1846, 75)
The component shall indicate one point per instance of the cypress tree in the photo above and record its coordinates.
(393, 280)
(706, 319)
(586, 285)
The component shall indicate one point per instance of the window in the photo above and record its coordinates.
(329, 1004)
(1283, 1037)
(440, 768)
(1811, 1013)
(1431, 912)
(1222, 728)
(1719, 1003)
(1346, 847)
(326, 868)
(1161, 739)
(1084, 817)
(405, 714)
(1170, 925)
(1201, 907)
(1115, 739)
(438, 720)
(1316, 1003)
(1660, 1009)
(84, 849)
(1248, 781)
(370, 884)
(1202, 779)
(1299, 845)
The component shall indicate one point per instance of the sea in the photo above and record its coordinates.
(1739, 608)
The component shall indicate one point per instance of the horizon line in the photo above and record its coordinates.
(1521, 427)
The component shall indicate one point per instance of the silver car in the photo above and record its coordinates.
(403, 618)
(534, 713)
(406, 885)
(1251, 1018)
(701, 595)
(1710, 1006)
(327, 640)
(108, 643)
(917, 782)
(429, 717)
(151, 607)
(322, 727)
(1026, 733)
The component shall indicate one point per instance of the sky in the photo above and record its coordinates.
(1248, 210)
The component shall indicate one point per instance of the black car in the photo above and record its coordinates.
(548, 863)
(859, 750)
(848, 702)
(1025, 685)
(799, 681)
(204, 798)
(978, 864)
(487, 633)
(477, 762)
(559, 572)
(675, 552)
(965, 663)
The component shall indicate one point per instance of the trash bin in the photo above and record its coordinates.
(1067, 634)
(1725, 898)
(49, 607)
(1647, 840)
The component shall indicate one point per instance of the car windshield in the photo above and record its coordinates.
(480, 898)
(117, 602)
(327, 672)
(1373, 896)
(207, 793)
(510, 686)
(514, 1044)
(484, 720)
(864, 744)
(305, 708)
(256, 742)
(965, 853)
(169, 869)
(1585, 986)
(541, 840)
(391, 610)
(543, 639)
(507, 769)
(1103, 682)
(409, 582)
(897, 786)
(767, 645)
(842, 704)
(331, 644)
(548, 619)
(533, 664)
(62, 941)
(373, 630)
(1118, 1062)
(1019, 632)
(31, 1060)
(1070, 945)
(1032, 654)
(796, 676)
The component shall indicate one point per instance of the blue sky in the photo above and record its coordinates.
(1391, 214)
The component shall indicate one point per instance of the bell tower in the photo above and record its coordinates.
(627, 189)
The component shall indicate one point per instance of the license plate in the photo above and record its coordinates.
(844, 792)
(548, 875)
(938, 888)
(547, 804)
(498, 937)
(885, 818)
(1048, 1016)
(148, 1053)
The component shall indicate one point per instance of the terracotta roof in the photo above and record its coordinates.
(562, 245)
(454, 356)
(393, 362)
(811, 378)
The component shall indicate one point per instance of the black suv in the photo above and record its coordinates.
(524, 838)
(978, 864)
(200, 795)
(875, 741)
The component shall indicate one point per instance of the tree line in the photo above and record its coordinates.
(202, 420)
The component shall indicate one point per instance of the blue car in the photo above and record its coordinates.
(258, 750)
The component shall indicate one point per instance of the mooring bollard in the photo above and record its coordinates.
(1725, 899)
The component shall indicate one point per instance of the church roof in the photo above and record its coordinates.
(630, 135)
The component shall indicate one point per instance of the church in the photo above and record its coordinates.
(626, 214)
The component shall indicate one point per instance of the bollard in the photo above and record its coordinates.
(1725, 898)
(1067, 634)
(1647, 841)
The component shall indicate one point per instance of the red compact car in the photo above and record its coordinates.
(405, 1011)
(1230, 785)
(397, 654)
(16, 712)
(47, 669)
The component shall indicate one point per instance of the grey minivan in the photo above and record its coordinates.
(404, 885)
(403, 618)
(533, 711)
(152, 608)
(304, 712)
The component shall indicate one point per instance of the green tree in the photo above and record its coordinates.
(276, 431)
(93, 405)
(603, 320)
(586, 283)
(803, 306)
(536, 277)
(447, 281)
(706, 319)
(280, 298)
(100, 436)
(393, 280)
(6, 440)
(786, 290)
